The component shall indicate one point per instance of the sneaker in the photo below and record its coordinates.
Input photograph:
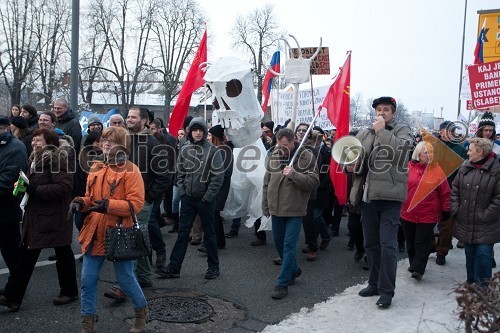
(369, 291)
(231, 234)
(168, 273)
(295, 276)
(116, 294)
(14, 307)
(416, 276)
(212, 274)
(460, 245)
(440, 260)
(312, 256)
(161, 261)
(258, 242)
(279, 292)
(202, 249)
(63, 299)
(278, 261)
(324, 244)
(384, 301)
(359, 255)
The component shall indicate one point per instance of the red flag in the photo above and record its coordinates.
(194, 80)
(337, 102)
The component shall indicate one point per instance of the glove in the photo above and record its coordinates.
(73, 208)
(31, 189)
(445, 215)
(100, 207)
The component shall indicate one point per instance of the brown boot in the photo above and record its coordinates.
(89, 324)
(141, 318)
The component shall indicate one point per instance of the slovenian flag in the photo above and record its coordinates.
(268, 79)
(478, 52)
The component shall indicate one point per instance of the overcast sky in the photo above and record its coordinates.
(407, 49)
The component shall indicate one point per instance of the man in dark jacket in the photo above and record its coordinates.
(13, 158)
(443, 244)
(200, 173)
(67, 122)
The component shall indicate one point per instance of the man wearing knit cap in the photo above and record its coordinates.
(217, 131)
(486, 130)
(200, 173)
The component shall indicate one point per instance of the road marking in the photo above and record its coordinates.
(38, 264)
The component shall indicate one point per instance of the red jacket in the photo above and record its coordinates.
(428, 210)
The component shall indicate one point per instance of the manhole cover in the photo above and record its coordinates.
(177, 309)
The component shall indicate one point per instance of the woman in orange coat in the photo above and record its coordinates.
(113, 183)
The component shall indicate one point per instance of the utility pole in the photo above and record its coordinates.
(462, 62)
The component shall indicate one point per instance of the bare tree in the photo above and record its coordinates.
(257, 33)
(125, 26)
(52, 24)
(358, 111)
(18, 45)
(177, 27)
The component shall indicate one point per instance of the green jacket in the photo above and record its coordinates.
(284, 196)
(384, 164)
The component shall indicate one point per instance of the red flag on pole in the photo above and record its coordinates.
(194, 80)
(337, 102)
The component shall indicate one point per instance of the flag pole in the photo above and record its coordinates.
(462, 61)
(312, 99)
(309, 129)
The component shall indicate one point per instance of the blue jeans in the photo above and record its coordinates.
(380, 230)
(190, 207)
(124, 272)
(286, 232)
(143, 266)
(155, 235)
(478, 259)
(320, 224)
(175, 200)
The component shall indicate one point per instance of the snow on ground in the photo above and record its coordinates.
(426, 306)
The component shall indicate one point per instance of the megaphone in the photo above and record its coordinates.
(347, 150)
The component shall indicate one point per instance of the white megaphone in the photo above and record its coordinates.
(347, 150)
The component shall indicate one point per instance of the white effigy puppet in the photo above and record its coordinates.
(238, 111)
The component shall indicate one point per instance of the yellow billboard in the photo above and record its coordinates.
(491, 42)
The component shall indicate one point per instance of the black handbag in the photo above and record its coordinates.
(122, 244)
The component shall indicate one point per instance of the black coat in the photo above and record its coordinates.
(69, 124)
(227, 159)
(13, 158)
(45, 223)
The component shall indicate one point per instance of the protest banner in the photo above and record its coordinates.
(485, 84)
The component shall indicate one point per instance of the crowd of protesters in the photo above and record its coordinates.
(400, 198)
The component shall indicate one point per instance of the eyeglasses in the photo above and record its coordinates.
(302, 130)
(106, 141)
(117, 122)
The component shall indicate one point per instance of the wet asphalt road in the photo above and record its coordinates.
(240, 296)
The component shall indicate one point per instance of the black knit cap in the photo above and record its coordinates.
(384, 100)
(487, 120)
(217, 131)
(4, 121)
(270, 125)
(19, 122)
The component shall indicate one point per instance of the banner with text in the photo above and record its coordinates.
(282, 107)
(485, 84)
